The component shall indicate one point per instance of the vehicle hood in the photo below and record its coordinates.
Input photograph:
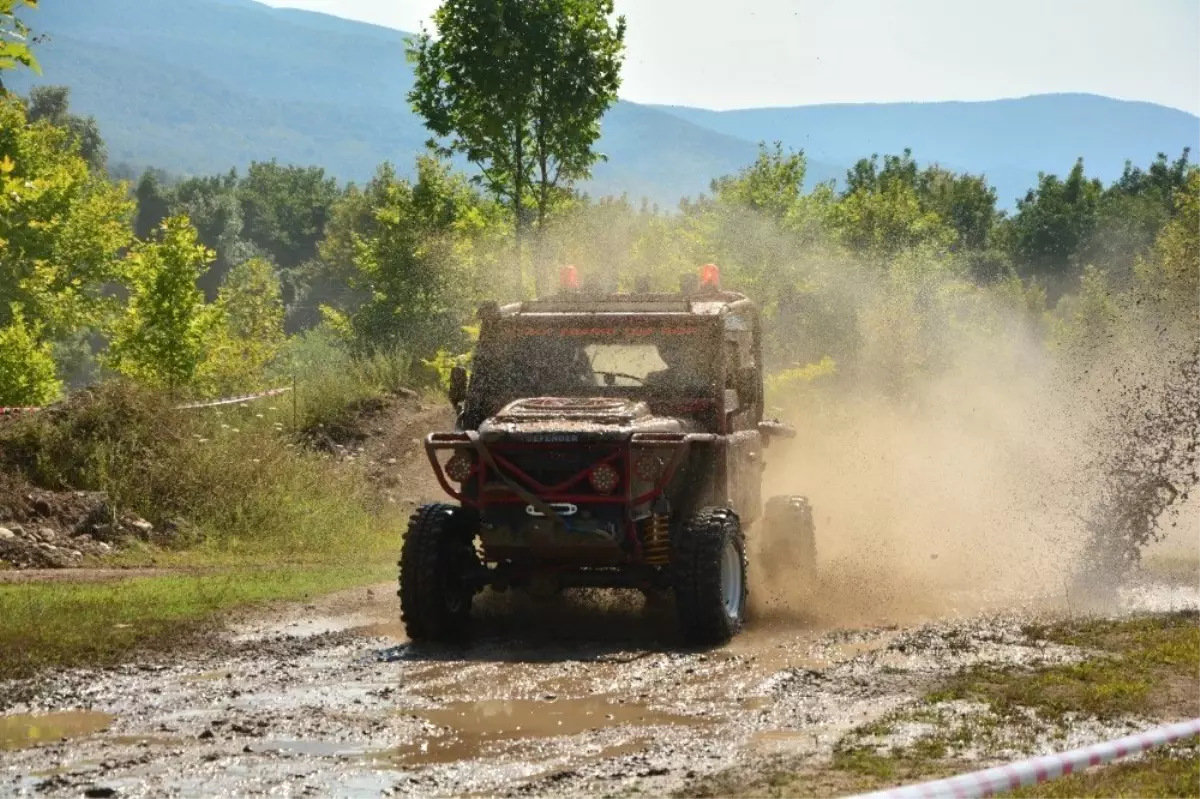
(568, 419)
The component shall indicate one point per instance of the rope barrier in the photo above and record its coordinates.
(1037, 770)
(274, 392)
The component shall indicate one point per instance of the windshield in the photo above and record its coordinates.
(652, 363)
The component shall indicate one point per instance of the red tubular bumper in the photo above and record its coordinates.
(437, 442)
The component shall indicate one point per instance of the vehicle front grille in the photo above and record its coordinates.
(552, 467)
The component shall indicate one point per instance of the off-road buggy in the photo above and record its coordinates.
(603, 440)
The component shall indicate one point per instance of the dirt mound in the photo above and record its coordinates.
(42, 529)
(385, 435)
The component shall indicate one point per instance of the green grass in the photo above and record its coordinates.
(65, 624)
(1140, 665)
(231, 482)
(330, 383)
(255, 517)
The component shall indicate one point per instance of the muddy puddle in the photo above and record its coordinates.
(22, 731)
(347, 707)
(470, 730)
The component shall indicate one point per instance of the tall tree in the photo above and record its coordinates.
(153, 203)
(62, 227)
(414, 268)
(211, 205)
(771, 186)
(1051, 225)
(53, 104)
(15, 38)
(285, 210)
(161, 338)
(1132, 211)
(519, 87)
(250, 333)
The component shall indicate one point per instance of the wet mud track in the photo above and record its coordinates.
(329, 699)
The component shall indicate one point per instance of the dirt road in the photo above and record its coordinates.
(588, 697)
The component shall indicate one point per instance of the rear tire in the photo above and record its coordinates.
(437, 562)
(709, 577)
(791, 537)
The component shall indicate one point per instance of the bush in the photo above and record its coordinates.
(330, 381)
(243, 488)
(27, 370)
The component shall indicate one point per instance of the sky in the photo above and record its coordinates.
(704, 53)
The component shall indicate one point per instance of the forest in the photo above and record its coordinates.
(215, 285)
(894, 283)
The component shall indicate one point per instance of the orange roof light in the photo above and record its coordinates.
(568, 278)
(710, 277)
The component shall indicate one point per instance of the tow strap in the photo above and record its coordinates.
(512, 485)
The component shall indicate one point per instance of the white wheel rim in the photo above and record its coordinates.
(731, 581)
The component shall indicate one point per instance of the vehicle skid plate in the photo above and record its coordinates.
(583, 534)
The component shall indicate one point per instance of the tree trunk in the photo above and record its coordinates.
(519, 179)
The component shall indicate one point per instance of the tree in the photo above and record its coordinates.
(211, 205)
(415, 266)
(62, 228)
(160, 339)
(880, 223)
(1051, 225)
(15, 39)
(285, 210)
(53, 104)
(27, 372)
(1132, 211)
(962, 201)
(250, 334)
(330, 279)
(1171, 276)
(519, 87)
(153, 203)
(772, 186)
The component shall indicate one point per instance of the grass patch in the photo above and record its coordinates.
(60, 624)
(1103, 688)
(330, 382)
(227, 489)
(1145, 665)
(229, 483)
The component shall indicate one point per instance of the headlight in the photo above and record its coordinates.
(649, 467)
(459, 467)
(604, 478)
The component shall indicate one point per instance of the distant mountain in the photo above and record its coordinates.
(199, 86)
(1008, 140)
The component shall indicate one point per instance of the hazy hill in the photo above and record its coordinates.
(1009, 140)
(199, 86)
(202, 85)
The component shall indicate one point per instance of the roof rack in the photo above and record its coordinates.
(699, 294)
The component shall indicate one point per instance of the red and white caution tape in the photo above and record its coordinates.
(1040, 769)
(208, 404)
(234, 400)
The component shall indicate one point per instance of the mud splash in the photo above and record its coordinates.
(37, 729)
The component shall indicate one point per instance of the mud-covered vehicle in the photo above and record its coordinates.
(603, 440)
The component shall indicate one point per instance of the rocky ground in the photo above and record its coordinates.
(42, 529)
(586, 697)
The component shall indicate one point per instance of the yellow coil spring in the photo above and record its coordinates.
(657, 546)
